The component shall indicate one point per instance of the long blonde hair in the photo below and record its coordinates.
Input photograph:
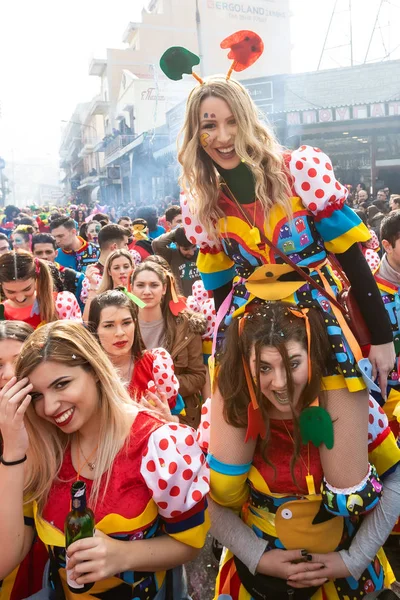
(69, 343)
(255, 144)
(107, 282)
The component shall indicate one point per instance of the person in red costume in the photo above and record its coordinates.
(67, 417)
(113, 318)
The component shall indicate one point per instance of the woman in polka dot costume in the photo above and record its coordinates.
(113, 318)
(146, 480)
(240, 189)
(27, 285)
(272, 492)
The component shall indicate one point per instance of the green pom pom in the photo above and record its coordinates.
(176, 61)
(316, 427)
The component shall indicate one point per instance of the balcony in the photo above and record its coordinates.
(99, 107)
(97, 67)
(114, 148)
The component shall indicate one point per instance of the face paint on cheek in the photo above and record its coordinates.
(212, 116)
(205, 116)
(204, 139)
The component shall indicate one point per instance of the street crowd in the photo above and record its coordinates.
(230, 367)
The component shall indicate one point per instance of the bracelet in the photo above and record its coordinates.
(12, 463)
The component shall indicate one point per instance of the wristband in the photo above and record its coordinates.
(12, 463)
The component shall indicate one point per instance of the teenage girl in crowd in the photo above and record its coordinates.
(241, 192)
(66, 417)
(165, 322)
(118, 269)
(27, 286)
(113, 318)
(288, 520)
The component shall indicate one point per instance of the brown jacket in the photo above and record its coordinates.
(187, 354)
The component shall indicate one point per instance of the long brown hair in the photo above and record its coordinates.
(272, 325)
(21, 265)
(69, 343)
(107, 282)
(255, 144)
(166, 279)
(117, 299)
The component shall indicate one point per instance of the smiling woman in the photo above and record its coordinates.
(27, 285)
(69, 414)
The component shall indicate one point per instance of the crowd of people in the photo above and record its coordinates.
(205, 371)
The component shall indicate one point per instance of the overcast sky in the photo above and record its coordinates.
(44, 68)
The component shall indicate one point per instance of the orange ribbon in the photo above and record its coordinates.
(255, 423)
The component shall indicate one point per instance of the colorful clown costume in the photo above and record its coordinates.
(284, 514)
(158, 486)
(320, 223)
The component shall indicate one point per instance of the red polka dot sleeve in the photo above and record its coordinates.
(194, 230)
(203, 430)
(67, 307)
(164, 376)
(314, 180)
(176, 473)
(384, 453)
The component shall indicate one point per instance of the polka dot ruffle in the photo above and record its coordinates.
(164, 376)
(200, 302)
(67, 307)
(377, 420)
(175, 469)
(314, 180)
(195, 232)
(203, 431)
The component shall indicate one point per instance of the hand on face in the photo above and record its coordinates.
(14, 401)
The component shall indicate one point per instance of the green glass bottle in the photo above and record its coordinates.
(79, 524)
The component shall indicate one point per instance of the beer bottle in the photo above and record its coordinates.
(79, 524)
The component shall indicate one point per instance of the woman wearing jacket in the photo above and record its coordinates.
(165, 322)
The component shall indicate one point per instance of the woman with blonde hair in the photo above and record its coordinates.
(27, 286)
(166, 322)
(257, 214)
(67, 417)
(118, 269)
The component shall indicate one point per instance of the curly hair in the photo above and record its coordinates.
(255, 144)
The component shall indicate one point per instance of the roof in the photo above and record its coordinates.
(362, 84)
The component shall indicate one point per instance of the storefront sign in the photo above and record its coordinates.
(344, 113)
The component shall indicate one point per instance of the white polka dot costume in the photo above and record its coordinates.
(86, 286)
(175, 470)
(314, 181)
(164, 377)
(67, 307)
(203, 430)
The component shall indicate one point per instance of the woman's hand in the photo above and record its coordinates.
(95, 558)
(159, 402)
(333, 568)
(382, 358)
(14, 400)
(92, 273)
(287, 563)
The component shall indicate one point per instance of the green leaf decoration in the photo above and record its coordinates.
(178, 60)
(316, 427)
